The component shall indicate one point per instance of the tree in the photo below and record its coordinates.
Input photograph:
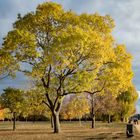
(66, 52)
(126, 102)
(7, 114)
(115, 75)
(33, 104)
(77, 107)
(12, 98)
(1, 114)
(105, 104)
(67, 110)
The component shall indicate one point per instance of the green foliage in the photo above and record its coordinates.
(7, 114)
(13, 99)
(8, 65)
(126, 102)
(33, 105)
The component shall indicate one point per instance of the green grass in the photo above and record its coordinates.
(69, 131)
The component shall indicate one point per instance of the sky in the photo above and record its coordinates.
(126, 14)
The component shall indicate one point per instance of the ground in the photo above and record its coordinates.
(69, 131)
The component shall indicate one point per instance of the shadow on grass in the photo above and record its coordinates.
(108, 136)
(100, 136)
(4, 132)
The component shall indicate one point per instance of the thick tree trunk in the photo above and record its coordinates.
(14, 121)
(56, 122)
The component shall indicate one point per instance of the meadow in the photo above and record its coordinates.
(69, 131)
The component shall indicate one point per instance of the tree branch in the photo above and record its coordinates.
(72, 92)
(97, 91)
(1, 78)
(46, 104)
(58, 106)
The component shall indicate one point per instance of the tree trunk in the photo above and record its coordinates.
(126, 119)
(56, 122)
(108, 118)
(14, 121)
(52, 122)
(93, 120)
(85, 118)
(123, 119)
(34, 118)
(92, 113)
(79, 121)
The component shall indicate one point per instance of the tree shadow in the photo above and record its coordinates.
(4, 130)
(108, 136)
(25, 132)
(99, 136)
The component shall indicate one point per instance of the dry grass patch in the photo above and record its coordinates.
(70, 131)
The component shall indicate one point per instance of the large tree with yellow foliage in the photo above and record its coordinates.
(67, 53)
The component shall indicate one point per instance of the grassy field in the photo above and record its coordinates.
(69, 131)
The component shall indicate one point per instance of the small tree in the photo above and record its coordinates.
(12, 98)
(7, 114)
(106, 104)
(77, 107)
(33, 104)
(126, 102)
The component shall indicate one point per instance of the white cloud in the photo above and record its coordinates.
(138, 93)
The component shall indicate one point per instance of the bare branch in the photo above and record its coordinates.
(1, 78)
(48, 78)
(97, 91)
(29, 62)
(72, 92)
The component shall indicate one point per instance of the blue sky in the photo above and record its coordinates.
(126, 14)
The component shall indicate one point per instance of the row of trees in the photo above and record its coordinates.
(25, 104)
(119, 108)
(66, 53)
(16, 103)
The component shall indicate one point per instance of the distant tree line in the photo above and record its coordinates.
(29, 106)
